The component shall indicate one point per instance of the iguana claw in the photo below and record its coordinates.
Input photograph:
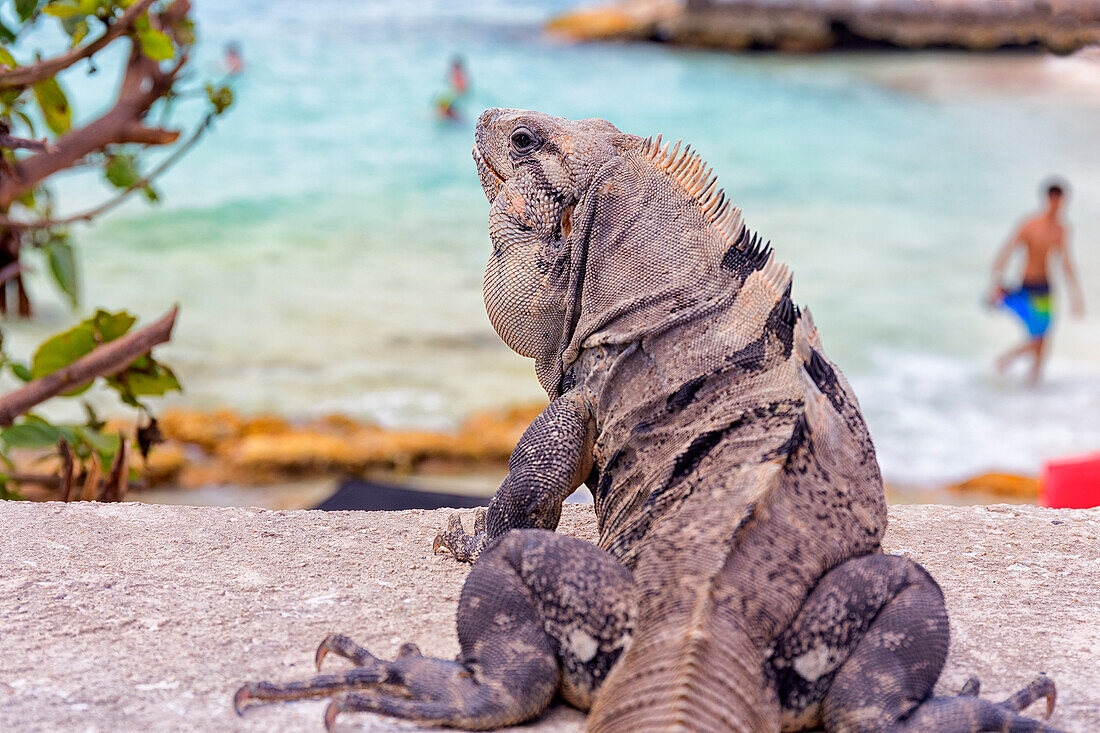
(464, 547)
(242, 699)
(331, 711)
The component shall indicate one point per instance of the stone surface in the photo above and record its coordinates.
(133, 616)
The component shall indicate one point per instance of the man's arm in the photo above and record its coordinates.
(553, 458)
(1000, 262)
(1076, 297)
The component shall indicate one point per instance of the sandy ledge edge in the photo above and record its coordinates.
(138, 616)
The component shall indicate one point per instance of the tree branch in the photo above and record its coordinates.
(11, 270)
(106, 360)
(12, 143)
(106, 206)
(142, 84)
(27, 75)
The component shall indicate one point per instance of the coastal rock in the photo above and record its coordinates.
(134, 616)
(224, 447)
(816, 25)
(1006, 485)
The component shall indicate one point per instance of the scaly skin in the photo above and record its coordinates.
(738, 583)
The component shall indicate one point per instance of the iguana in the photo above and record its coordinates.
(739, 584)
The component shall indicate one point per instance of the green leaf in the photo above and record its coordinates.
(62, 260)
(156, 45)
(27, 199)
(151, 194)
(122, 171)
(63, 349)
(105, 444)
(21, 371)
(6, 492)
(29, 434)
(54, 105)
(63, 9)
(7, 36)
(110, 326)
(66, 347)
(145, 378)
(26, 121)
(76, 27)
(25, 9)
(221, 98)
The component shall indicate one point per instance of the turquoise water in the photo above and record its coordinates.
(327, 240)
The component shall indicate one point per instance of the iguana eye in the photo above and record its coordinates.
(523, 140)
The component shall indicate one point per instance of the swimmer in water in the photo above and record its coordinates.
(1042, 237)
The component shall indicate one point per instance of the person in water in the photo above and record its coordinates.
(233, 60)
(459, 80)
(1042, 237)
(446, 104)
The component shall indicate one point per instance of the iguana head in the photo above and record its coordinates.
(535, 169)
(598, 236)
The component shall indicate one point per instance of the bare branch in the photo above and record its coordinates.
(66, 475)
(10, 270)
(14, 143)
(49, 480)
(106, 360)
(143, 83)
(91, 478)
(28, 75)
(118, 479)
(106, 206)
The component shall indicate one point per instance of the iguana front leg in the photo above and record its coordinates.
(553, 458)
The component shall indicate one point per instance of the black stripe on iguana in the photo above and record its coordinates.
(699, 448)
(824, 377)
(749, 358)
(687, 461)
(683, 396)
(792, 443)
(607, 471)
(674, 488)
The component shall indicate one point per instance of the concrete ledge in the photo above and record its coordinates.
(144, 617)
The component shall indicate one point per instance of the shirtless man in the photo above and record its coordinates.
(1041, 237)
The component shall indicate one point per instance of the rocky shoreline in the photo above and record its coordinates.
(205, 450)
(803, 26)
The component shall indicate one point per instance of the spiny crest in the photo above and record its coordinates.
(756, 252)
(776, 276)
(692, 173)
(806, 339)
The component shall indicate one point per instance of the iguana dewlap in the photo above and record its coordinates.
(738, 584)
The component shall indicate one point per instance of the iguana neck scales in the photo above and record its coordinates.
(738, 584)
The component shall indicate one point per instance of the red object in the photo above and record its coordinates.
(1071, 483)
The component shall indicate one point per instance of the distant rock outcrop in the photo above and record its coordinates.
(1061, 26)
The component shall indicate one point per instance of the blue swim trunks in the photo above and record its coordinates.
(1032, 303)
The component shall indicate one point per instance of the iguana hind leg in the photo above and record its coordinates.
(865, 651)
(540, 613)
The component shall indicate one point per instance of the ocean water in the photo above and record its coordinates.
(326, 241)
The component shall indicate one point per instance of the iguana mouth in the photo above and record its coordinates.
(491, 180)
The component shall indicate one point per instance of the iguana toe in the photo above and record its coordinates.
(1041, 686)
(971, 687)
(344, 647)
(408, 649)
